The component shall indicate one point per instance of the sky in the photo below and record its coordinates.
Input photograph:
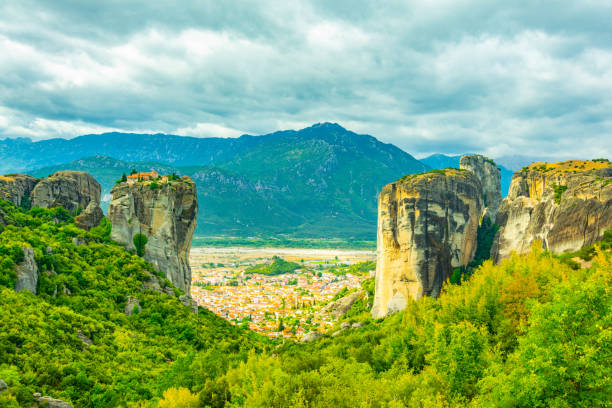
(453, 76)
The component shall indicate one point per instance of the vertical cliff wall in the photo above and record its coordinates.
(489, 175)
(566, 205)
(17, 188)
(166, 213)
(427, 225)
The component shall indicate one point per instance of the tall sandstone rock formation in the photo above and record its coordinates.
(166, 214)
(69, 189)
(17, 188)
(427, 225)
(566, 205)
(489, 175)
(73, 190)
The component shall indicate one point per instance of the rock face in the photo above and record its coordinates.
(427, 225)
(89, 218)
(489, 175)
(68, 189)
(17, 188)
(49, 402)
(341, 306)
(566, 205)
(166, 214)
(311, 336)
(27, 272)
(132, 306)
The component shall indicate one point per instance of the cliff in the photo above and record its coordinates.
(69, 189)
(566, 205)
(17, 188)
(27, 272)
(427, 225)
(166, 213)
(489, 175)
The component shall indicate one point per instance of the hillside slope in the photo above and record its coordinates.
(105, 328)
(319, 182)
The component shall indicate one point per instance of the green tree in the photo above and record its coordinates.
(140, 241)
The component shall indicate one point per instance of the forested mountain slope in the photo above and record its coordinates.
(75, 339)
(319, 182)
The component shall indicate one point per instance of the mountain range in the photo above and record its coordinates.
(321, 181)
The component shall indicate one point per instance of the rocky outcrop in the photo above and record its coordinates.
(311, 336)
(27, 272)
(17, 188)
(89, 218)
(566, 205)
(49, 402)
(132, 306)
(3, 386)
(166, 213)
(69, 189)
(427, 225)
(489, 175)
(338, 308)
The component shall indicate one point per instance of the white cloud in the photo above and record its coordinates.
(428, 76)
(208, 130)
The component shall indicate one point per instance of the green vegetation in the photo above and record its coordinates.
(140, 242)
(280, 242)
(559, 190)
(278, 267)
(588, 252)
(528, 332)
(360, 268)
(531, 331)
(82, 291)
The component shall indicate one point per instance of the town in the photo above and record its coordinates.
(285, 305)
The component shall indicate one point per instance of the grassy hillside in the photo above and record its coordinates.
(82, 293)
(320, 182)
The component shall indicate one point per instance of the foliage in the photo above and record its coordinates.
(140, 242)
(360, 268)
(278, 267)
(84, 289)
(559, 190)
(588, 252)
(179, 398)
(527, 332)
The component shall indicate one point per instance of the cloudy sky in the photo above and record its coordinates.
(452, 76)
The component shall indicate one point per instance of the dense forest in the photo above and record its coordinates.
(534, 330)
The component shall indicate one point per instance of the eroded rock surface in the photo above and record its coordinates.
(489, 175)
(27, 272)
(427, 225)
(89, 218)
(566, 205)
(69, 189)
(338, 308)
(166, 213)
(17, 188)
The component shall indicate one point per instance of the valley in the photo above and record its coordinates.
(286, 305)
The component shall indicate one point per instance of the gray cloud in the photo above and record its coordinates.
(527, 78)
